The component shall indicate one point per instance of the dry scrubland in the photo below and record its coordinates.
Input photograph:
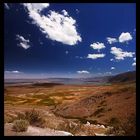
(69, 108)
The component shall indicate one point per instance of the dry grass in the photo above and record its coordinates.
(82, 102)
(120, 128)
(20, 125)
(8, 119)
(35, 118)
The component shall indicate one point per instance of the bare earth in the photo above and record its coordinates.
(72, 103)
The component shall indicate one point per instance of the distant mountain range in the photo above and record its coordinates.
(123, 77)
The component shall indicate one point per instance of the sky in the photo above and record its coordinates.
(44, 40)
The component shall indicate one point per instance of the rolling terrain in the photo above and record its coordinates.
(77, 109)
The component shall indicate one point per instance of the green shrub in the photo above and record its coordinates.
(20, 125)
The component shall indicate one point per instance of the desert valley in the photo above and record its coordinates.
(80, 110)
(69, 69)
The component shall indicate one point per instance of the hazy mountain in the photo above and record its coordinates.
(123, 77)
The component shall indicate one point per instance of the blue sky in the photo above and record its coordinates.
(69, 40)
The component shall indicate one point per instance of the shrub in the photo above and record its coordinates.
(116, 131)
(21, 116)
(86, 131)
(108, 93)
(113, 121)
(98, 111)
(35, 118)
(93, 121)
(127, 128)
(70, 127)
(48, 102)
(53, 123)
(20, 125)
(102, 102)
(8, 119)
(82, 120)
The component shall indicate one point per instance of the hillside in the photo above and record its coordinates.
(70, 107)
(123, 77)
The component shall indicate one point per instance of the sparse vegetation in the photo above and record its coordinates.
(100, 115)
(102, 102)
(98, 111)
(108, 93)
(124, 89)
(130, 126)
(47, 101)
(70, 104)
(21, 115)
(70, 127)
(127, 128)
(20, 125)
(113, 121)
(84, 121)
(78, 129)
(47, 85)
(35, 118)
(8, 119)
(110, 109)
(88, 131)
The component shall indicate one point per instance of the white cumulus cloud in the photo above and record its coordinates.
(79, 57)
(83, 72)
(65, 12)
(95, 56)
(38, 7)
(24, 43)
(120, 54)
(112, 68)
(97, 46)
(66, 52)
(125, 37)
(111, 59)
(56, 26)
(134, 63)
(111, 40)
(134, 59)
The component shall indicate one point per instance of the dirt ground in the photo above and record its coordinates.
(93, 103)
